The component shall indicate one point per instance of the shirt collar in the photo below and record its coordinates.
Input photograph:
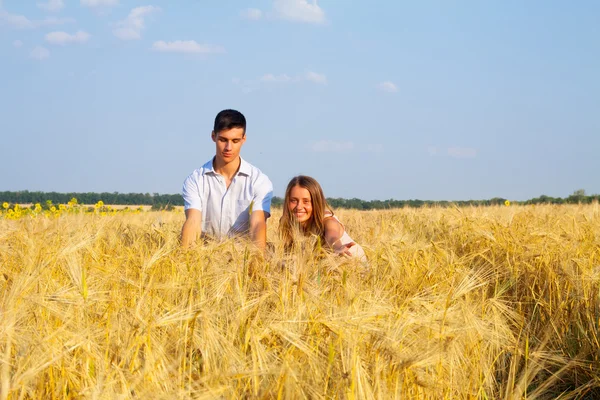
(208, 167)
(245, 168)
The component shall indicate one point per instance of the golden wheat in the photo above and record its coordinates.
(497, 302)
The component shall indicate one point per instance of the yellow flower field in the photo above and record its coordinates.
(491, 302)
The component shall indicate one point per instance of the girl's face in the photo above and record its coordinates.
(300, 204)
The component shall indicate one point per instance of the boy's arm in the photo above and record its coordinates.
(258, 229)
(192, 227)
(260, 212)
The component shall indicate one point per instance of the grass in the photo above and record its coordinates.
(496, 302)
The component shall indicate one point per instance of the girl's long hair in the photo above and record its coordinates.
(289, 226)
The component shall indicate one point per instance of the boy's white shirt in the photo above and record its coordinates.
(226, 211)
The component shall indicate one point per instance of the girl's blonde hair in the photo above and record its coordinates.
(315, 226)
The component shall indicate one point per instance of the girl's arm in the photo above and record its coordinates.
(333, 233)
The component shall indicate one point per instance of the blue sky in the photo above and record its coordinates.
(377, 100)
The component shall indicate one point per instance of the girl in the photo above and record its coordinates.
(306, 212)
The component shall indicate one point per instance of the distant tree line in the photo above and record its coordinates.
(359, 204)
(139, 199)
(167, 201)
(578, 196)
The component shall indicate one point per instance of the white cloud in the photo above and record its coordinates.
(247, 86)
(63, 38)
(186, 46)
(374, 148)
(388, 86)
(432, 151)
(99, 3)
(316, 78)
(282, 78)
(54, 21)
(52, 5)
(17, 43)
(22, 22)
(462, 152)
(131, 27)
(16, 21)
(299, 10)
(285, 78)
(330, 146)
(252, 14)
(50, 21)
(39, 53)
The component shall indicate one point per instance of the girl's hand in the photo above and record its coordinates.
(344, 250)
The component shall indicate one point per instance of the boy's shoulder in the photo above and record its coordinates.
(253, 171)
(205, 168)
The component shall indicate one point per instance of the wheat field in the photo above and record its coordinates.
(481, 302)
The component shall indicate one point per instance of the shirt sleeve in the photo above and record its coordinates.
(191, 192)
(263, 194)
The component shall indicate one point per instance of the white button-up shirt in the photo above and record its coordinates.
(226, 211)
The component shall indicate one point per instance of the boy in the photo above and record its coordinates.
(227, 196)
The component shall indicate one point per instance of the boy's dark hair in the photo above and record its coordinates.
(228, 119)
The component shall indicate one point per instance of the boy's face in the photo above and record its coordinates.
(229, 144)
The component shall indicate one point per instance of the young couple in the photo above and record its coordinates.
(229, 197)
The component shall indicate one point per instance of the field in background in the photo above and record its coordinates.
(114, 206)
(488, 302)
